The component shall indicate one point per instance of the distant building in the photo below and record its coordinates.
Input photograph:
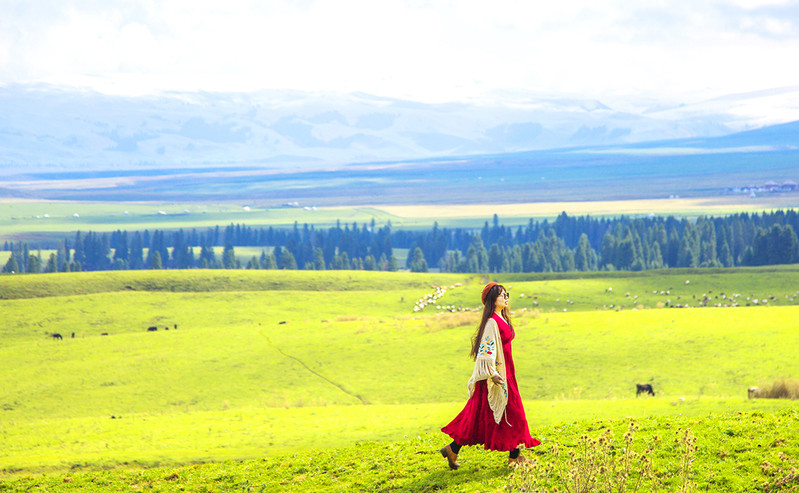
(789, 186)
(771, 186)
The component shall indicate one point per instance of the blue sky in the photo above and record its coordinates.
(674, 50)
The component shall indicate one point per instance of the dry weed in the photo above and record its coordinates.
(603, 465)
(450, 320)
(783, 388)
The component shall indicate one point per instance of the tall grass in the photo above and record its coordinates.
(783, 388)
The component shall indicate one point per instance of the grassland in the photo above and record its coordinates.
(354, 363)
(744, 451)
(27, 219)
(35, 219)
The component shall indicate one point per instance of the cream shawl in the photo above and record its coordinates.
(490, 361)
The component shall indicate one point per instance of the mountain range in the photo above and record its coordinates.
(56, 129)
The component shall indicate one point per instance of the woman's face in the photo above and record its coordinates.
(503, 299)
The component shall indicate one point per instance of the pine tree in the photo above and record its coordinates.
(476, 256)
(342, 261)
(626, 255)
(207, 257)
(530, 259)
(78, 257)
(155, 260)
(566, 259)
(515, 259)
(496, 258)
(11, 266)
(318, 259)
(608, 250)
(136, 252)
(229, 257)
(286, 260)
(707, 244)
(689, 247)
(418, 262)
(672, 256)
(657, 258)
(52, 264)
(725, 256)
(121, 246)
(789, 245)
(268, 261)
(584, 255)
(253, 264)
(62, 259)
(34, 264)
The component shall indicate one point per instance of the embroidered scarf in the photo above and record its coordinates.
(490, 361)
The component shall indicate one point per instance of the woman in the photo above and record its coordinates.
(494, 415)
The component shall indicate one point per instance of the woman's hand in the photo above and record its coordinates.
(497, 379)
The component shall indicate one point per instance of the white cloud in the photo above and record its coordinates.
(430, 50)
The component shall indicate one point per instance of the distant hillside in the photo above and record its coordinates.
(48, 128)
(775, 137)
(739, 163)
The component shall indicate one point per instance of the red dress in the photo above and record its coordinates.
(475, 424)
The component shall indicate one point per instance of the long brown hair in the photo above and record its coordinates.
(488, 310)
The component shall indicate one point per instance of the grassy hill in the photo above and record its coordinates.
(274, 363)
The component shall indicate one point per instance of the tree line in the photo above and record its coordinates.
(581, 243)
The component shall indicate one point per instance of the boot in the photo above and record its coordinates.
(452, 457)
(518, 461)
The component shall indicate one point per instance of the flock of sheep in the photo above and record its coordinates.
(432, 298)
(721, 300)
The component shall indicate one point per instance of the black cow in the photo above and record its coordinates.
(643, 388)
(152, 329)
(57, 336)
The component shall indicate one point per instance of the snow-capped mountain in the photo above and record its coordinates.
(44, 127)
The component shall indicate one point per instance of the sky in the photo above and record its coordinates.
(425, 50)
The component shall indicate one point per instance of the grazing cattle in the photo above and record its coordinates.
(281, 322)
(73, 335)
(176, 326)
(152, 329)
(643, 388)
(104, 334)
(57, 336)
(753, 392)
(166, 328)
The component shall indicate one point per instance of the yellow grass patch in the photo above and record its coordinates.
(689, 206)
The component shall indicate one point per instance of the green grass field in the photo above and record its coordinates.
(353, 363)
(34, 220)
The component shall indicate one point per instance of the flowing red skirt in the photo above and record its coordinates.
(475, 424)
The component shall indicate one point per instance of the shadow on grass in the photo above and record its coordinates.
(447, 480)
